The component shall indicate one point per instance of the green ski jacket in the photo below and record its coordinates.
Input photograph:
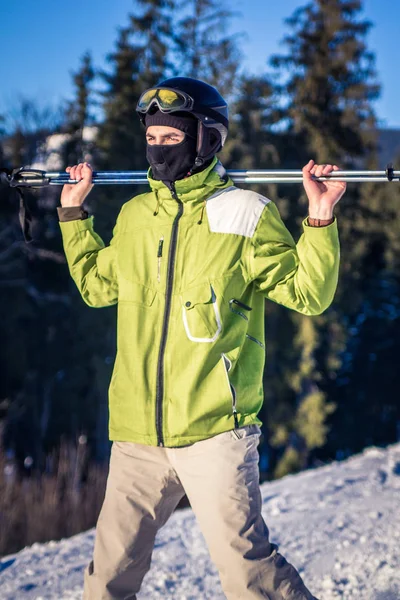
(189, 270)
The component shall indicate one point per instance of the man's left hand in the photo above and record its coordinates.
(322, 195)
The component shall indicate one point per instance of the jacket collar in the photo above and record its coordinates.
(196, 187)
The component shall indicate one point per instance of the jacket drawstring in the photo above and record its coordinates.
(199, 222)
(155, 213)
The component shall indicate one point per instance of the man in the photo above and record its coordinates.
(189, 265)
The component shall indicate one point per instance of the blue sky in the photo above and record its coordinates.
(41, 43)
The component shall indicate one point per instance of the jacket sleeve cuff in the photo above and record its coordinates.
(321, 237)
(76, 225)
(71, 213)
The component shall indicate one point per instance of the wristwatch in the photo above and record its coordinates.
(312, 222)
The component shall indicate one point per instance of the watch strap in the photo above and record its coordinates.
(312, 222)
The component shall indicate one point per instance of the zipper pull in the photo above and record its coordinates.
(159, 257)
(171, 187)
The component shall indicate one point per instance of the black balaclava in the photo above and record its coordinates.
(171, 162)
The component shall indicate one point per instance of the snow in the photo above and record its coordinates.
(338, 524)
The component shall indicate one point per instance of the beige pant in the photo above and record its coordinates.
(221, 479)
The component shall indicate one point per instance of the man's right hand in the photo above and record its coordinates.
(73, 194)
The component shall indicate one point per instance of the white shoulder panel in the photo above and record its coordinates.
(234, 210)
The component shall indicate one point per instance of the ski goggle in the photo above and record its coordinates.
(167, 100)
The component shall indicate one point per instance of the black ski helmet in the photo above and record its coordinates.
(198, 98)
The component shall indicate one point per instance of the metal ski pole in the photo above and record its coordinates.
(26, 177)
(35, 178)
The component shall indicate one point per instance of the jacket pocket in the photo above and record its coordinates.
(135, 293)
(239, 308)
(255, 340)
(200, 314)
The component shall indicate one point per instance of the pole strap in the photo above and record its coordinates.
(25, 216)
(15, 179)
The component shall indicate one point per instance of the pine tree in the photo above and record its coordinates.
(119, 137)
(327, 86)
(78, 113)
(154, 29)
(331, 82)
(204, 48)
(139, 61)
(251, 143)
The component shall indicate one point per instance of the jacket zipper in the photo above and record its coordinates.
(228, 365)
(167, 312)
(159, 257)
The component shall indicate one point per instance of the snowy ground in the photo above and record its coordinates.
(339, 525)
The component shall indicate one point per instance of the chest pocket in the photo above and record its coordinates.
(200, 314)
(137, 256)
(134, 293)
